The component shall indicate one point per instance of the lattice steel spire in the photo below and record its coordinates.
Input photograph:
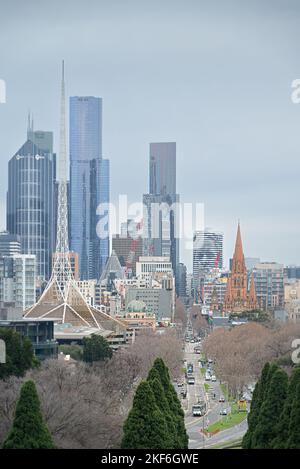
(62, 299)
(62, 268)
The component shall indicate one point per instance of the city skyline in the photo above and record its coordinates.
(235, 158)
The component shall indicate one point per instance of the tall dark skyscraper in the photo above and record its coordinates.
(161, 216)
(162, 168)
(31, 201)
(89, 184)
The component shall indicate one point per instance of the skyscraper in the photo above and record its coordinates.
(160, 205)
(31, 202)
(89, 185)
(162, 168)
(207, 251)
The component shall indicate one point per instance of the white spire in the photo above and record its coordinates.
(62, 268)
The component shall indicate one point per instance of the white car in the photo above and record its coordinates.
(207, 377)
(213, 378)
(223, 412)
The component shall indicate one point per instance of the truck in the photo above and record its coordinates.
(199, 409)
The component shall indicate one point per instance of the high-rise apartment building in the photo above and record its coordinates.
(269, 285)
(18, 280)
(89, 186)
(182, 275)
(207, 251)
(31, 201)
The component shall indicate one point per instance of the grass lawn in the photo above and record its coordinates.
(202, 371)
(206, 386)
(230, 444)
(228, 421)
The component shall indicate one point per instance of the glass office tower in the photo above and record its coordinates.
(31, 203)
(89, 185)
(161, 205)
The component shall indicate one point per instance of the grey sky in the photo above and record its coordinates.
(214, 76)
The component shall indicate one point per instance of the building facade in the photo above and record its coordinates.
(269, 285)
(128, 245)
(89, 186)
(18, 280)
(40, 332)
(182, 279)
(207, 251)
(237, 297)
(31, 203)
(161, 205)
(10, 244)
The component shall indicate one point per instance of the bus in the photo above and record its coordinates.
(198, 410)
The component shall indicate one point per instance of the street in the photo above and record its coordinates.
(196, 392)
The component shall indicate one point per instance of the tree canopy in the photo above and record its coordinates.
(29, 430)
(19, 354)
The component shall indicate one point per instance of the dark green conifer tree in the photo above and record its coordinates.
(281, 440)
(29, 430)
(145, 426)
(271, 408)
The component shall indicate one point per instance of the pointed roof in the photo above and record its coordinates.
(238, 250)
(72, 309)
(112, 266)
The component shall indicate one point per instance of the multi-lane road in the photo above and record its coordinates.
(195, 425)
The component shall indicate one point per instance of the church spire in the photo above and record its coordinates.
(238, 251)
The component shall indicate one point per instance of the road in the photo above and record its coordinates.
(195, 425)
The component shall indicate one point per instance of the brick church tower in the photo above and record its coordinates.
(237, 298)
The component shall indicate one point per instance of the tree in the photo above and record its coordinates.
(163, 403)
(180, 316)
(173, 401)
(74, 350)
(95, 348)
(281, 440)
(255, 407)
(275, 395)
(293, 441)
(145, 426)
(19, 354)
(29, 430)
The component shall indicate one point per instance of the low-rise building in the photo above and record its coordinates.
(39, 331)
(137, 316)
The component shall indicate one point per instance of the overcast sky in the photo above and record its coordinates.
(214, 76)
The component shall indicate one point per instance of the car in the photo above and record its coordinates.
(207, 377)
(223, 412)
(191, 380)
(180, 384)
(210, 360)
(221, 399)
(213, 378)
(183, 393)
